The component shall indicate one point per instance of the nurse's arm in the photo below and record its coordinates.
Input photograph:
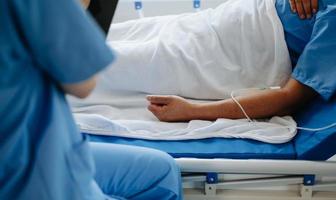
(262, 104)
(85, 3)
(81, 89)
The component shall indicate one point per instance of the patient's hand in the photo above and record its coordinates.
(304, 8)
(170, 108)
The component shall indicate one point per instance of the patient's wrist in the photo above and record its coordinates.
(210, 111)
(197, 111)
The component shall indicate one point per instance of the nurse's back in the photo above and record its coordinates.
(43, 44)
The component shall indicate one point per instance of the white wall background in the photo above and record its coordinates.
(126, 11)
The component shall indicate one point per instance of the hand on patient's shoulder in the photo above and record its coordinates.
(304, 8)
(170, 108)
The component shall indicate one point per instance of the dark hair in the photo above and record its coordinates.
(103, 11)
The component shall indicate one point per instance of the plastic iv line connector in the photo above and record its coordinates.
(197, 5)
(272, 88)
(138, 8)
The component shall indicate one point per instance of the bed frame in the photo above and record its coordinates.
(232, 179)
(215, 179)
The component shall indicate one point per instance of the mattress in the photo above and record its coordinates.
(319, 145)
(210, 148)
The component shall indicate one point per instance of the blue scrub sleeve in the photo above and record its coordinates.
(316, 66)
(64, 39)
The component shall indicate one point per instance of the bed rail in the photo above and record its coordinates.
(288, 167)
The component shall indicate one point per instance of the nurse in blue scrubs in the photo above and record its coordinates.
(49, 48)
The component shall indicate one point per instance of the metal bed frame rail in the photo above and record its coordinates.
(202, 179)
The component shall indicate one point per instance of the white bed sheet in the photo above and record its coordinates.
(126, 115)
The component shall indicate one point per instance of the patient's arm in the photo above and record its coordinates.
(262, 104)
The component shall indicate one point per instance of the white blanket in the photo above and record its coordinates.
(125, 115)
(202, 55)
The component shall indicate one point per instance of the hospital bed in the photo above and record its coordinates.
(236, 169)
(245, 169)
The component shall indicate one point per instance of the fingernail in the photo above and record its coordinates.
(302, 16)
(314, 10)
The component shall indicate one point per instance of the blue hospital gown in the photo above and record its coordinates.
(312, 46)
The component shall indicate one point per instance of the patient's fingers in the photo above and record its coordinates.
(158, 111)
(307, 8)
(157, 107)
(304, 8)
(154, 108)
(292, 5)
(314, 5)
(159, 99)
(300, 9)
